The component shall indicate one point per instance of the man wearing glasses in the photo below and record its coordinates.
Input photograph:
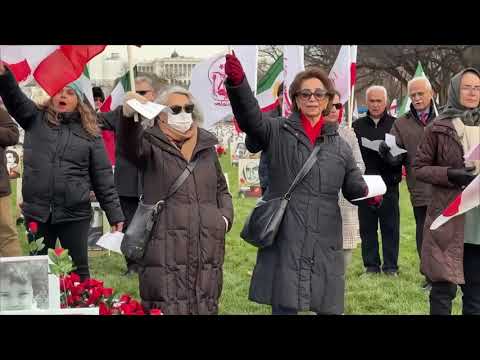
(126, 172)
(373, 127)
(408, 131)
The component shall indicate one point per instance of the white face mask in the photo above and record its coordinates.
(181, 122)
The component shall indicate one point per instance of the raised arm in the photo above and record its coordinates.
(245, 107)
(23, 110)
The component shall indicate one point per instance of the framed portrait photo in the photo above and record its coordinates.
(25, 284)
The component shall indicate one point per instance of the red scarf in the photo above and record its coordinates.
(312, 131)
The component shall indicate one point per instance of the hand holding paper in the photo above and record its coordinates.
(148, 110)
(392, 144)
(111, 241)
(376, 186)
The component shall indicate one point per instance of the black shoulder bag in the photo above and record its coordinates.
(139, 230)
(261, 227)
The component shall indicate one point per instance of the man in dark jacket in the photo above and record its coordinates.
(373, 127)
(253, 147)
(408, 131)
(9, 245)
(126, 172)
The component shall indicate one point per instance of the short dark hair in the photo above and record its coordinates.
(98, 92)
(313, 72)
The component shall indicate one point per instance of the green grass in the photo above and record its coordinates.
(374, 294)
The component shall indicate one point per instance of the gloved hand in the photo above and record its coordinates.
(375, 202)
(386, 155)
(234, 70)
(461, 177)
(127, 110)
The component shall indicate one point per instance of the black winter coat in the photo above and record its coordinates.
(61, 163)
(374, 165)
(304, 268)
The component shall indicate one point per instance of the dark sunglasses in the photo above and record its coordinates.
(142, 92)
(306, 94)
(177, 109)
(337, 106)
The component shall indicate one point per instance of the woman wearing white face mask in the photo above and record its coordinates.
(182, 267)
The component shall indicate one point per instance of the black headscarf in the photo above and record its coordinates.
(454, 109)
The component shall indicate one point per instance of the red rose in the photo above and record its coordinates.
(125, 298)
(107, 292)
(95, 294)
(74, 277)
(58, 251)
(104, 310)
(156, 312)
(33, 227)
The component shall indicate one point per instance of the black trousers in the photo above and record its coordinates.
(388, 215)
(73, 236)
(443, 293)
(129, 205)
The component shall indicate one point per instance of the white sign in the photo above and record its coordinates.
(148, 110)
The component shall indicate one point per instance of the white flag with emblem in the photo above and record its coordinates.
(208, 83)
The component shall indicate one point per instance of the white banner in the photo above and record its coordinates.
(293, 63)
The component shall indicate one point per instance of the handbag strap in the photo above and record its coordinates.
(178, 182)
(303, 171)
(181, 179)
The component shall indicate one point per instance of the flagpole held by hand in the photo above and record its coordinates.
(132, 76)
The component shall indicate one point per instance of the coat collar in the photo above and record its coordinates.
(294, 125)
(157, 137)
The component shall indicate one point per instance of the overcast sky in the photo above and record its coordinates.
(150, 52)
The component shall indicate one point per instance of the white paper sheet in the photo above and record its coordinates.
(376, 186)
(371, 144)
(148, 110)
(111, 241)
(394, 149)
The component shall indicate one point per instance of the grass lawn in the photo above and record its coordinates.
(375, 294)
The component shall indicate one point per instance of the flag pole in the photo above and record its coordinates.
(351, 102)
(132, 76)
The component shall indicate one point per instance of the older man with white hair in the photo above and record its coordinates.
(373, 127)
(408, 131)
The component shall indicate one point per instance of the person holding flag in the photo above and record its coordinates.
(408, 131)
(304, 268)
(451, 253)
(64, 157)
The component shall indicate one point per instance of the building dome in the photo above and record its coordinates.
(174, 54)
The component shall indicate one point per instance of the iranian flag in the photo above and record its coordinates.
(268, 86)
(118, 93)
(393, 108)
(114, 100)
(466, 201)
(85, 85)
(343, 73)
(405, 106)
(52, 66)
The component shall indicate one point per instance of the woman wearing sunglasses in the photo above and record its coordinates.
(304, 268)
(182, 267)
(350, 225)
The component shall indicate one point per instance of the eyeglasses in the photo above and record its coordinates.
(306, 94)
(337, 106)
(143, 92)
(177, 109)
(471, 88)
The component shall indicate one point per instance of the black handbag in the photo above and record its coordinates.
(139, 230)
(262, 226)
